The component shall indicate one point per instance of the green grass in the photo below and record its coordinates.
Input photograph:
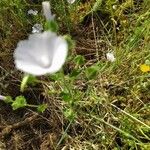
(93, 104)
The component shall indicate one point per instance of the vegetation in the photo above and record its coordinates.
(93, 102)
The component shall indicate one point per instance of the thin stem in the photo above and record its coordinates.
(63, 136)
(131, 116)
(94, 32)
(34, 106)
(24, 82)
(117, 129)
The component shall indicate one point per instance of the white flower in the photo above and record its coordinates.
(47, 10)
(37, 28)
(32, 12)
(2, 97)
(71, 1)
(42, 53)
(110, 56)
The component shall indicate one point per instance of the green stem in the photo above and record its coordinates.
(64, 134)
(24, 82)
(34, 106)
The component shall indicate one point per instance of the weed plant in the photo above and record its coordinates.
(92, 103)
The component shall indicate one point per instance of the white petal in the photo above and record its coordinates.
(37, 28)
(47, 10)
(32, 12)
(2, 97)
(59, 55)
(110, 57)
(30, 68)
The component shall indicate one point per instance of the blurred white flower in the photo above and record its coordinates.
(42, 53)
(47, 10)
(32, 12)
(110, 56)
(37, 28)
(2, 97)
(71, 1)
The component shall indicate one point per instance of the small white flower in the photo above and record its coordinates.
(71, 1)
(42, 53)
(47, 10)
(110, 56)
(37, 28)
(2, 97)
(32, 12)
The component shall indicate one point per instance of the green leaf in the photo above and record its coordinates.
(147, 62)
(97, 5)
(80, 60)
(92, 72)
(41, 108)
(65, 96)
(8, 99)
(51, 25)
(75, 73)
(71, 43)
(32, 80)
(57, 76)
(19, 102)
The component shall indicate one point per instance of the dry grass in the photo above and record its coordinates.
(108, 112)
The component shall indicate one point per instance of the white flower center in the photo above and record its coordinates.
(45, 61)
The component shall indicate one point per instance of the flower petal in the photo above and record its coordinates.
(33, 69)
(47, 10)
(60, 54)
(110, 56)
(145, 68)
